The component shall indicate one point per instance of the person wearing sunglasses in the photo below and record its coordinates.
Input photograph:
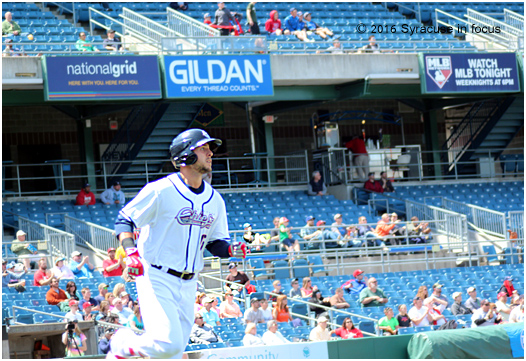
(203, 333)
(485, 316)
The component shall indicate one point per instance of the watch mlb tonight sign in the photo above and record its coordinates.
(469, 73)
(217, 76)
(101, 77)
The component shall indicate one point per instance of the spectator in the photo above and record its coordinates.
(229, 308)
(473, 302)
(267, 312)
(372, 295)
(507, 287)
(387, 186)
(180, 6)
(439, 301)
(302, 23)
(277, 290)
(312, 27)
(223, 18)
(318, 299)
(517, 313)
(281, 312)
(285, 237)
(112, 43)
(347, 330)
(103, 290)
(123, 312)
(485, 316)
(11, 279)
(373, 185)
(23, 251)
(310, 234)
(372, 47)
(502, 306)
(11, 50)
(320, 332)
(273, 24)
(357, 284)
(434, 312)
(113, 195)
(252, 18)
(198, 305)
(43, 276)
(272, 336)
(457, 308)
(254, 314)
(105, 342)
(85, 196)
(338, 227)
(367, 232)
(251, 338)
(71, 291)
(418, 232)
(422, 292)
(335, 48)
(74, 313)
(384, 227)
(112, 267)
(135, 320)
(307, 289)
(209, 315)
(104, 311)
(360, 157)
(86, 309)
(295, 291)
(397, 231)
(419, 314)
(203, 333)
(316, 185)
(55, 295)
(274, 233)
(253, 238)
(249, 287)
(388, 324)
(118, 289)
(207, 19)
(84, 45)
(109, 298)
(338, 301)
(327, 234)
(236, 278)
(402, 317)
(293, 26)
(86, 298)
(81, 267)
(62, 271)
(76, 343)
(9, 26)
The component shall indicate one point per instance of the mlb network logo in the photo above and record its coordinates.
(439, 69)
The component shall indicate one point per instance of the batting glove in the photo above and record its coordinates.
(239, 250)
(133, 262)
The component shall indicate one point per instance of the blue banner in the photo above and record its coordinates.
(101, 77)
(469, 73)
(516, 334)
(217, 76)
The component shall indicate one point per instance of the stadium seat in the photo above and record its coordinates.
(300, 268)
(406, 331)
(257, 263)
(367, 326)
(281, 273)
(317, 264)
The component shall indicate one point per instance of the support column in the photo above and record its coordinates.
(431, 138)
(269, 142)
(86, 150)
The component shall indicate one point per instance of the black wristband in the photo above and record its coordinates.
(128, 243)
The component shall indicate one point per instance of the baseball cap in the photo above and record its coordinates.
(20, 233)
(110, 330)
(123, 293)
(255, 299)
(109, 32)
(232, 265)
(292, 9)
(246, 225)
(86, 305)
(357, 273)
(320, 223)
(370, 174)
(72, 302)
(76, 253)
(300, 13)
(86, 185)
(471, 289)
(4, 261)
(437, 285)
(111, 249)
(8, 40)
(116, 183)
(337, 215)
(208, 300)
(60, 259)
(322, 319)
(508, 278)
(283, 220)
(307, 13)
(308, 218)
(456, 294)
(207, 15)
(416, 298)
(502, 294)
(103, 285)
(10, 265)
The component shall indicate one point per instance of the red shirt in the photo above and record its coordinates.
(344, 333)
(357, 146)
(374, 186)
(39, 276)
(82, 196)
(116, 272)
(250, 289)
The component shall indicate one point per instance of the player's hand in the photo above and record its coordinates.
(135, 267)
(238, 250)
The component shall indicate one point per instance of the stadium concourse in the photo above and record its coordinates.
(418, 137)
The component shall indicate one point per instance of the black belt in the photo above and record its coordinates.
(181, 275)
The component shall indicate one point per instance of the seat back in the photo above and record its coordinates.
(367, 326)
(300, 308)
(300, 268)
(281, 273)
(406, 331)
(491, 253)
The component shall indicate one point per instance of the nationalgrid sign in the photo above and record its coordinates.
(101, 77)
(217, 76)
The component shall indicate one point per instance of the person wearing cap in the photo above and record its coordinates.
(210, 316)
(316, 185)
(312, 27)
(81, 267)
(388, 324)
(252, 18)
(236, 276)
(254, 314)
(179, 6)
(11, 279)
(11, 50)
(320, 332)
(295, 291)
(517, 313)
(207, 19)
(86, 311)
(419, 314)
(272, 336)
(23, 250)
(485, 316)
(251, 337)
(507, 286)
(222, 18)
(373, 185)
(285, 237)
(114, 194)
(502, 306)
(43, 276)
(112, 267)
(74, 313)
(310, 234)
(103, 290)
(457, 308)
(123, 312)
(85, 196)
(112, 43)
(105, 341)
(202, 332)
(86, 298)
(340, 230)
(126, 301)
(293, 26)
(55, 295)
(473, 302)
(372, 295)
(62, 271)
(357, 284)
(440, 301)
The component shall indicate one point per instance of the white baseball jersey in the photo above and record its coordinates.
(176, 224)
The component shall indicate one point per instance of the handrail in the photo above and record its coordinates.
(508, 38)
(147, 26)
(189, 27)
(72, 10)
(514, 19)
(113, 20)
(459, 21)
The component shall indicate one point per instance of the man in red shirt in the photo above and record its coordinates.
(43, 276)
(112, 267)
(85, 196)
(360, 157)
(373, 185)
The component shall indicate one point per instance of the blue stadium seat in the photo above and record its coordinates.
(281, 273)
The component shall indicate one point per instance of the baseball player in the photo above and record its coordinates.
(179, 216)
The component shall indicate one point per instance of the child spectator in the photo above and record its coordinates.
(402, 317)
(208, 19)
(281, 311)
(273, 24)
(315, 28)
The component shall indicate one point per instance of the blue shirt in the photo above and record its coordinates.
(293, 23)
(104, 345)
(357, 286)
(83, 272)
(311, 25)
(93, 302)
(210, 317)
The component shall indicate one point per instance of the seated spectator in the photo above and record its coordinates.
(74, 313)
(457, 308)
(114, 194)
(112, 267)
(357, 284)
(293, 26)
(273, 24)
(338, 301)
(274, 233)
(310, 234)
(112, 43)
(179, 6)
(123, 312)
(104, 311)
(372, 47)
(295, 291)
(388, 324)
(209, 314)
(86, 298)
(418, 232)
(372, 185)
(281, 312)
(135, 320)
(86, 310)
(23, 250)
(307, 289)
(81, 267)
(402, 317)
(255, 239)
(502, 306)
(347, 330)
(85, 196)
(222, 18)
(72, 292)
(335, 48)
(387, 186)
(109, 298)
(320, 332)
(203, 333)
(439, 301)
(229, 308)
(11, 279)
(318, 299)
(419, 314)
(118, 289)
(265, 310)
(105, 342)
(517, 313)
(62, 271)
(272, 336)
(372, 295)
(383, 228)
(103, 290)
(277, 290)
(285, 237)
(438, 318)
(397, 231)
(422, 292)
(9, 26)
(485, 316)
(312, 27)
(365, 231)
(198, 305)
(84, 45)
(11, 50)
(327, 234)
(254, 314)
(207, 19)
(316, 185)
(251, 338)
(338, 227)
(507, 287)
(54, 296)
(473, 302)
(43, 276)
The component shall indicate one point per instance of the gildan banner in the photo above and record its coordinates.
(217, 76)
(101, 77)
(469, 73)
(299, 350)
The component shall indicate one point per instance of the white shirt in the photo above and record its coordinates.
(480, 314)
(415, 313)
(63, 271)
(251, 340)
(270, 338)
(70, 316)
(440, 321)
(267, 314)
(517, 315)
(318, 334)
(500, 306)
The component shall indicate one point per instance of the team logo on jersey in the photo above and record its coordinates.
(439, 69)
(189, 217)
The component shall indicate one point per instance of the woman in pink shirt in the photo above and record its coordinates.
(229, 308)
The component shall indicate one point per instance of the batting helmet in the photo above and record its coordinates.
(182, 147)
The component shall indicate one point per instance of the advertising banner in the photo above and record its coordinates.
(101, 77)
(516, 334)
(300, 350)
(217, 76)
(469, 73)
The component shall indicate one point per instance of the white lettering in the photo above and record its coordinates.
(249, 69)
(234, 72)
(183, 73)
(222, 72)
(198, 80)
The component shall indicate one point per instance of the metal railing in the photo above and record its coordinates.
(148, 28)
(99, 237)
(508, 36)
(186, 26)
(513, 19)
(203, 45)
(516, 224)
(68, 10)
